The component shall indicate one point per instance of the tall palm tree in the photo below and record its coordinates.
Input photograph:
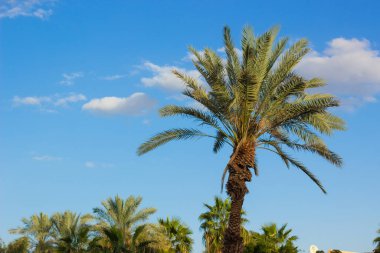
(121, 222)
(38, 229)
(71, 231)
(214, 224)
(178, 234)
(251, 102)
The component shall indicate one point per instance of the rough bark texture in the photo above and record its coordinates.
(239, 173)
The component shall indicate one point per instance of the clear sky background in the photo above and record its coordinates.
(81, 83)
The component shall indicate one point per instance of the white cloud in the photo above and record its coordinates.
(47, 103)
(136, 104)
(350, 66)
(69, 78)
(113, 77)
(164, 78)
(351, 103)
(64, 101)
(46, 158)
(27, 8)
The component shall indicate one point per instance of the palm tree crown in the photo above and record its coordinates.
(178, 235)
(38, 229)
(256, 101)
(71, 231)
(121, 221)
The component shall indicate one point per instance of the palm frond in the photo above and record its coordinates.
(169, 135)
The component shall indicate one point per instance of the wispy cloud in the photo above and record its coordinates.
(146, 122)
(351, 68)
(30, 100)
(73, 98)
(46, 158)
(69, 78)
(91, 164)
(113, 77)
(136, 104)
(163, 77)
(48, 103)
(28, 8)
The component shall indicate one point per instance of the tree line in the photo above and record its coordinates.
(121, 226)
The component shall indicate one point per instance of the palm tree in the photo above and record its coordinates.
(214, 224)
(178, 234)
(20, 245)
(71, 231)
(272, 240)
(121, 223)
(38, 229)
(251, 102)
(276, 240)
(377, 242)
(2, 246)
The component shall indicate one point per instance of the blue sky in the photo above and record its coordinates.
(81, 82)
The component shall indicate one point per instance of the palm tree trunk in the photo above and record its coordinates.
(239, 173)
(233, 242)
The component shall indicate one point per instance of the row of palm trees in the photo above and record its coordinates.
(120, 226)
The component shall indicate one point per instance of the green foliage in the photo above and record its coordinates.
(376, 241)
(20, 245)
(179, 235)
(120, 224)
(71, 232)
(272, 240)
(214, 224)
(38, 229)
(3, 248)
(257, 98)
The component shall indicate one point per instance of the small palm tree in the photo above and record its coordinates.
(121, 223)
(178, 234)
(251, 102)
(276, 240)
(3, 248)
(214, 224)
(272, 240)
(377, 242)
(38, 229)
(71, 231)
(20, 245)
